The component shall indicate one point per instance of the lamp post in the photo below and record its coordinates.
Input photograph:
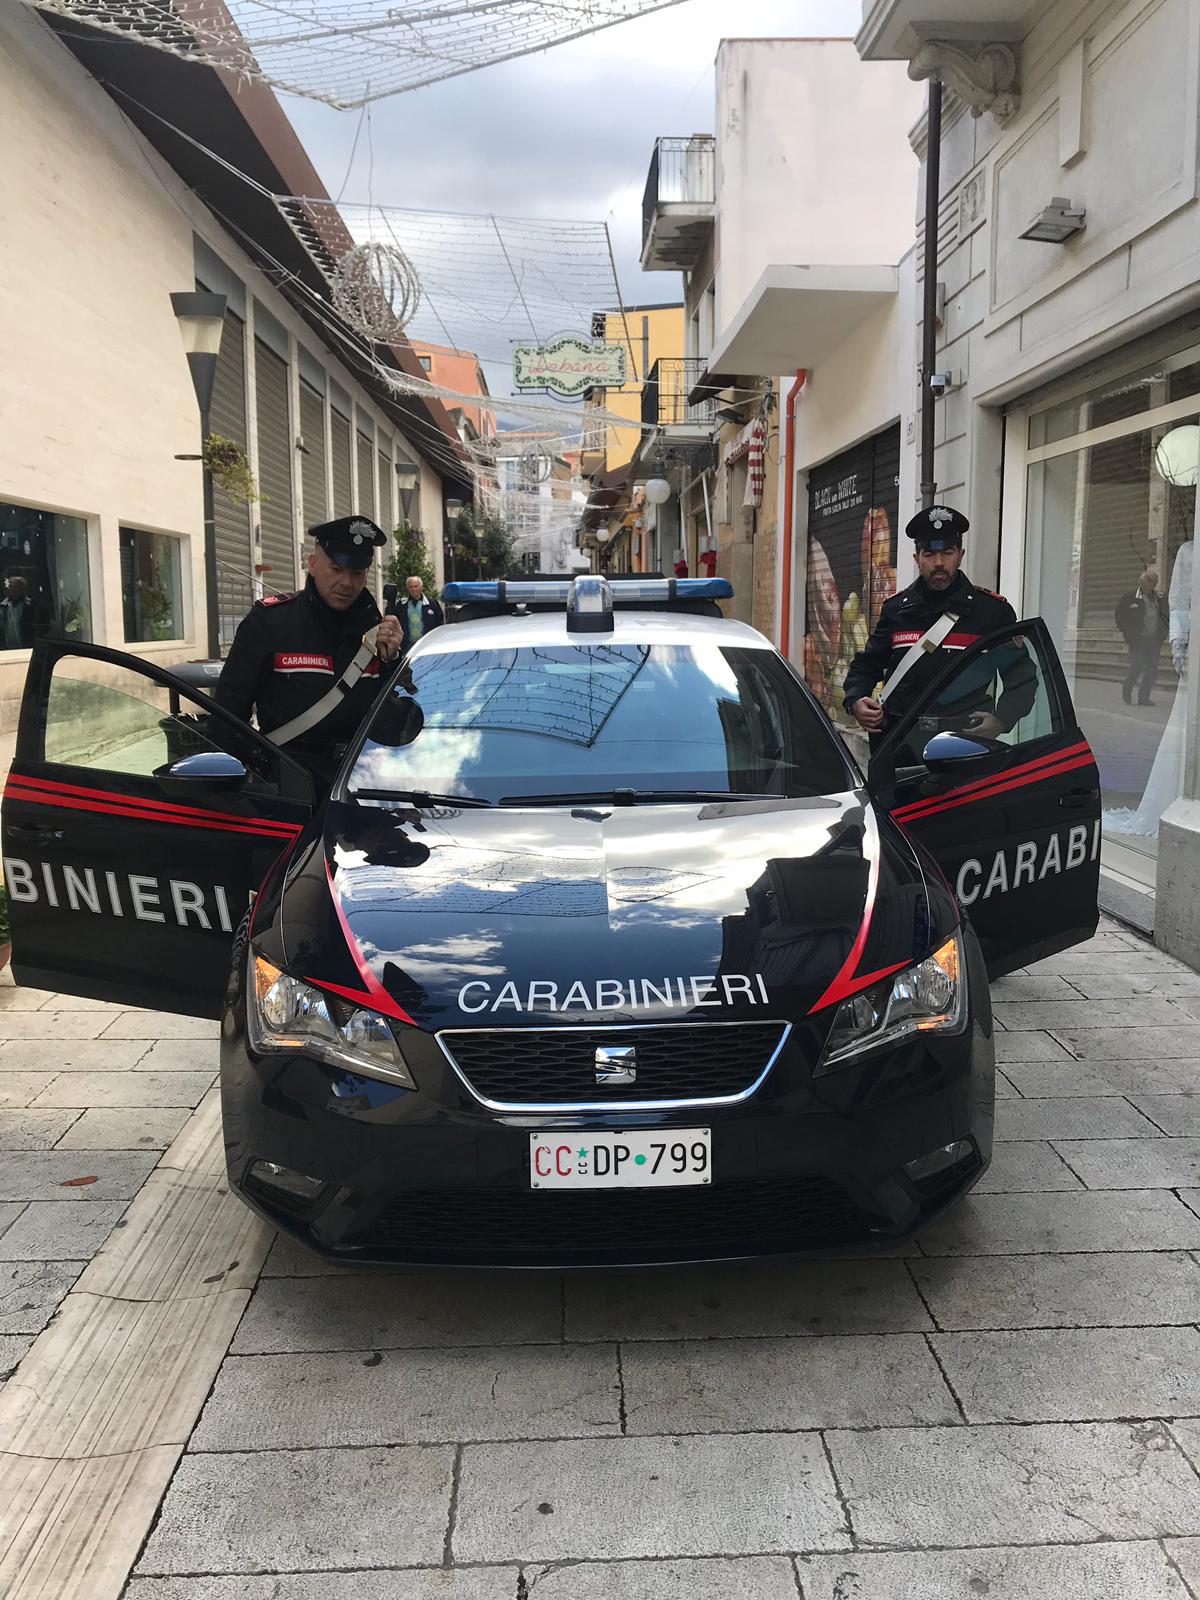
(201, 318)
(453, 507)
(406, 482)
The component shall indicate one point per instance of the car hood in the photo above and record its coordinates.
(704, 911)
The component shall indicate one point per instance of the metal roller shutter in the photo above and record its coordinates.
(274, 469)
(340, 431)
(235, 585)
(312, 463)
(387, 479)
(366, 478)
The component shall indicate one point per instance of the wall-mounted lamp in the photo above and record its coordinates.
(658, 490)
(1056, 223)
(406, 481)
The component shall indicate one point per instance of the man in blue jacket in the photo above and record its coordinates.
(418, 613)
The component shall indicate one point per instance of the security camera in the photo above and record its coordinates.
(941, 383)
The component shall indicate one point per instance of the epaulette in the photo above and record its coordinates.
(995, 593)
(275, 600)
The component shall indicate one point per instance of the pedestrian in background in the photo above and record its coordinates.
(419, 614)
(1143, 619)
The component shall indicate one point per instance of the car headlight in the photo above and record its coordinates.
(284, 1014)
(930, 997)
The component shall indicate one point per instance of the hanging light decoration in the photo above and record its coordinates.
(537, 464)
(376, 290)
(1177, 456)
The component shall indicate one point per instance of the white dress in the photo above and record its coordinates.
(1165, 783)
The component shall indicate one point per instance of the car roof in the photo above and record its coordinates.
(550, 628)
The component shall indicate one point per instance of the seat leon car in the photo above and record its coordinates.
(601, 950)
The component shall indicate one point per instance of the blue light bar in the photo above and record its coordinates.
(504, 593)
(623, 590)
(672, 589)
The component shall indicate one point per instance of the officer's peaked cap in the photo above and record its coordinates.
(937, 528)
(349, 541)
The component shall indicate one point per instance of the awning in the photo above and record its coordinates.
(797, 316)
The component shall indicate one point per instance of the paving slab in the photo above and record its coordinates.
(31, 1290)
(8, 1215)
(84, 1176)
(1067, 1079)
(1176, 1115)
(70, 1055)
(126, 1089)
(1026, 1167)
(1030, 986)
(400, 1311)
(1058, 1483)
(1073, 1374)
(304, 1511)
(730, 1386)
(182, 1055)
(745, 1300)
(159, 1025)
(459, 1583)
(742, 1578)
(73, 1002)
(13, 1349)
(59, 1230)
(1186, 1555)
(1107, 1116)
(22, 1088)
(1134, 1012)
(1171, 981)
(1004, 1089)
(604, 1499)
(1155, 1163)
(289, 1259)
(1139, 1571)
(1178, 1043)
(1023, 1224)
(125, 1128)
(33, 1130)
(1012, 1047)
(1085, 960)
(1189, 1004)
(14, 999)
(369, 1397)
(51, 1025)
(1067, 1291)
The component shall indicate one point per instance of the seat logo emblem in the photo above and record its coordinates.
(616, 1066)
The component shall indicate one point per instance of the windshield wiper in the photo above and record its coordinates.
(420, 797)
(625, 797)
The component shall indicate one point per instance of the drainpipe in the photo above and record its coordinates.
(789, 496)
(933, 173)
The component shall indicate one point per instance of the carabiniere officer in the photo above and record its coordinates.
(904, 620)
(300, 661)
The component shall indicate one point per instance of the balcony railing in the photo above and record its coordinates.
(682, 172)
(665, 393)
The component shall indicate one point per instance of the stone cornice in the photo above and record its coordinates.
(982, 76)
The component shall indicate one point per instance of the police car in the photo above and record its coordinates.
(602, 949)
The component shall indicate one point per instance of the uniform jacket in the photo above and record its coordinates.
(1129, 616)
(432, 612)
(902, 621)
(291, 649)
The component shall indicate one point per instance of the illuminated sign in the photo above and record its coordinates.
(569, 367)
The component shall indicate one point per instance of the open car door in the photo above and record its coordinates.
(989, 771)
(138, 820)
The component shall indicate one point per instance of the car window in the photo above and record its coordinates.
(495, 724)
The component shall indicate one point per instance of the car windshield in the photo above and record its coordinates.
(590, 721)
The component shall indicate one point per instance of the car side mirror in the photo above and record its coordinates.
(208, 772)
(952, 753)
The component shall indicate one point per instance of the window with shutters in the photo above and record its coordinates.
(366, 477)
(278, 556)
(313, 478)
(340, 463)
(231, 518)
(151, 586)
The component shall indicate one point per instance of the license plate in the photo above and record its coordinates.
(652, 1160)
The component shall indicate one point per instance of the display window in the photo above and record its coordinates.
(44, 587)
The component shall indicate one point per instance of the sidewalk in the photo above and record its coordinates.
(1007, 1407)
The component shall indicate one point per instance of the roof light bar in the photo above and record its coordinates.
(590, 605)
(568, 593)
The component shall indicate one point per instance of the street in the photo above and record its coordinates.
(1006, 1406)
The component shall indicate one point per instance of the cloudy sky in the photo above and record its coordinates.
(565, 134)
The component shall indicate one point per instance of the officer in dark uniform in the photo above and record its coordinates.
(293, 651)
(942, 588)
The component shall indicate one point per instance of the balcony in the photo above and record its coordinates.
(678, 203)
(665, 402)
(893, 30)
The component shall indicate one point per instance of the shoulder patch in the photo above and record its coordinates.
(275, 599)
(995, 593)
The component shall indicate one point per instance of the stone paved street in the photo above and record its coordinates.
(1008, 1406)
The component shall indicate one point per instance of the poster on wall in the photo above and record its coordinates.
(853, 508)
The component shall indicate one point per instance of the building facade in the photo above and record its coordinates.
(1069, 268)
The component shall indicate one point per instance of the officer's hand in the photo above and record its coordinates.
(389, 638)
(984, 726)
(868, 713)
(1179, 654)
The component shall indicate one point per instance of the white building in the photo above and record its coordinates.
(542, 499)
(1070, 440)
(103, 219)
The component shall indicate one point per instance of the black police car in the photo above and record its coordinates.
(601, 949)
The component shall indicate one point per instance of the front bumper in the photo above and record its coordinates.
(435, 1178)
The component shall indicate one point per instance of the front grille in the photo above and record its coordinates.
(557, 1066)
(760, 1216)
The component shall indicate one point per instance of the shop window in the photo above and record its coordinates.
(44, 575)
(151, 586)
(1110, 528)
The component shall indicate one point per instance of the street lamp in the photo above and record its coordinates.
(658, 490)
(453, 507)
(201, 319)
(406, 481)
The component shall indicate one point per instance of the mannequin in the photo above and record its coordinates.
(1165, 784)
